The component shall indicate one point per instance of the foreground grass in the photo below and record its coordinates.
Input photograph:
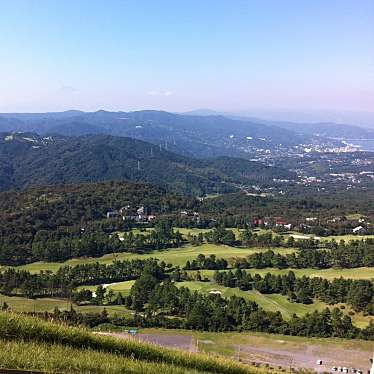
(53, 358)
(16, 328)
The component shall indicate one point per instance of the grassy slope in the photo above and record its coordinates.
(176, 256)
(268, 302)
(357, 273)
(24, 305)
(52, 358)
(273, 302)
(179, 256)
(45, 345)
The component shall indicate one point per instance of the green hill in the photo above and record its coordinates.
(30, 343)
(27, 159)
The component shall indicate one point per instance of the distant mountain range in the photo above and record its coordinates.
(326, 129)
(321, 129)
(28, 159)
(191, 135)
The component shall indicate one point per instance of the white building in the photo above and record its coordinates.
(358, 230)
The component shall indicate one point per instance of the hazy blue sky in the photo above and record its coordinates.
(179, 55)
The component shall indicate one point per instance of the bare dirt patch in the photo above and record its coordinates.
(184, 342)
(306, 356)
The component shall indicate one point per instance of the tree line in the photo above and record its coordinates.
(357, 293)
(343, 255)
(156, 299)
(67, 220)
(67, 278)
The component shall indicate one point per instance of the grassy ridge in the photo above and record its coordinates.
(53, 358)
(28, 329)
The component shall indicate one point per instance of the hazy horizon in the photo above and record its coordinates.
(362, 119)
(300, 60)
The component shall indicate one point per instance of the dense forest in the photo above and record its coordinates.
(295, 205)
(59, 222)
(30, 160)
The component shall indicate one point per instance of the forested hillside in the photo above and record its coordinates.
(42, 217)
(29, 160)
(199, 136)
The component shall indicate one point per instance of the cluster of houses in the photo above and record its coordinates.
(190, 214)
(362, 228)
(138, 214)
(272, 222)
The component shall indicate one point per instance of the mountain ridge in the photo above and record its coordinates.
(198, 136)
(324, 129)
(27, 159)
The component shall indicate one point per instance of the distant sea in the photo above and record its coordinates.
(366, 145)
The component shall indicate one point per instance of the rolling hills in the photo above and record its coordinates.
(331, 130)
(191, 135)
(27, 159)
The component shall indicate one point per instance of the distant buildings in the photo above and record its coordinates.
(112, 214)
(137, 214)
(359, 230)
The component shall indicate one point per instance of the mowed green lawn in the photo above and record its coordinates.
(179, 256)
(122, 287)
(22, 304)
(176, 256)
(271, 302)
(356, 273)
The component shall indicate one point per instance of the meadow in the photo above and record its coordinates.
(179, 256)
(270, 302)
(273, 302)
(356, 273)
(175, 256)
(24, 305)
